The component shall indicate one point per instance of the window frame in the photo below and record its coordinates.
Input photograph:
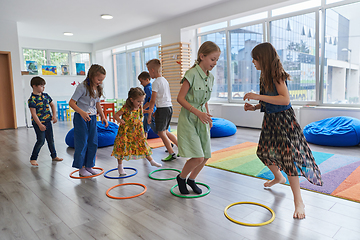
(127, 59)
(317, 44)
(48, 60)
(320, 28)
(228, 40)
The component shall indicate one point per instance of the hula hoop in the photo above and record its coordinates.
(107, 192)
(126, 176)
(102, 171)
(192, 196)
(163, 179)
(250, 224)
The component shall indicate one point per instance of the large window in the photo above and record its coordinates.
(318, 44)
(61, 61)
(121, 84)
(341, 63)
(77, 57)
(220, 88)
(294, 40)
(243, 75)
(129, 61)
(134, 67)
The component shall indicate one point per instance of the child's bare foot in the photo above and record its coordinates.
(275, 181)
(299, 212)
(34, 163)
(57, 159)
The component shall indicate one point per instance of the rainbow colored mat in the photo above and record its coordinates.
(340, 173)
(157, 142)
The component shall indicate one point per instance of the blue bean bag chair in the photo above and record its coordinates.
(336, 131)
(151, 134)
(222, 128)
(106, 136)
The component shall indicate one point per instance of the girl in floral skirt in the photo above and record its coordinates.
(130, 142)
(282, 145)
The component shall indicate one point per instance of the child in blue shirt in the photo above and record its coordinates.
(41, 119)
(144, 79)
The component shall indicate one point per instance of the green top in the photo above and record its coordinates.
(193, 135)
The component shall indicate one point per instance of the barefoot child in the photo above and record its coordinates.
(194, 120)
(130, 142)
(282, 145)
(41, 119)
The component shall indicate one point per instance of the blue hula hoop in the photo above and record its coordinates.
(126, 176)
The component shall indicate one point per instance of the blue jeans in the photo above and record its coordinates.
(85, 141)
(148, 126)
(40, 140)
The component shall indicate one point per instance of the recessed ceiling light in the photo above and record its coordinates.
(68, 33)
(106, 16)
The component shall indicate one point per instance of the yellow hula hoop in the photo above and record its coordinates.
(250, 224)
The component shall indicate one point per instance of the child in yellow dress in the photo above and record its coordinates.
(130, 142)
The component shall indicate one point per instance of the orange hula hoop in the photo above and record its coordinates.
(102, 171)
(110, 196)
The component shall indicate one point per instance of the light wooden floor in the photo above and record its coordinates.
(45, 203)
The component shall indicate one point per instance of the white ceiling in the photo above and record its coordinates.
(49, 19)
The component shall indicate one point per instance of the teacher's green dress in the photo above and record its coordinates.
(194, 136)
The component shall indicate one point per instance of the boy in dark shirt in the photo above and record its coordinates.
(41, 119)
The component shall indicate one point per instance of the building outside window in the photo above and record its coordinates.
(327, 76)
(294, 40)
(220, 88)
(243, 75)
(129, 61)
(341, 64)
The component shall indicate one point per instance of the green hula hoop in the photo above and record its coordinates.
(163, 179)
(250, 224)
(193, 196)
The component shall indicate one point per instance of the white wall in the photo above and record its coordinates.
(58, 87)
(9, 43)
(26, 42)
(236, 114)
(304, 115)
(312, 114)
(170, 30)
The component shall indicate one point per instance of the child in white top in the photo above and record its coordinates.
(161, 96)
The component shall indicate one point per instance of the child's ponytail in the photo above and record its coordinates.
(94, 70)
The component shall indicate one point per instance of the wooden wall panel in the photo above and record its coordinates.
(175, 61)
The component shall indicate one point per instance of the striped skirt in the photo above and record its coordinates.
(282, 143)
